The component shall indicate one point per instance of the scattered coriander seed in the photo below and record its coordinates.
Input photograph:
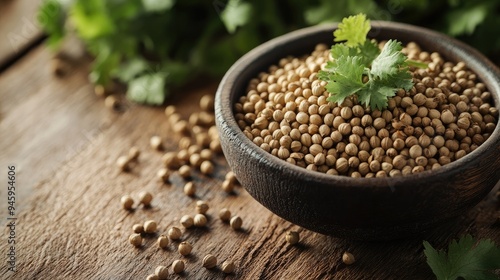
(231, 177)
(163, 174)
(123, 163)
(209, 261)
(163, 241)
(225, 215)
(200, 220)
(111, 102)
(187, 221)
(145, 198)
(189, 189)
(127, 202)
(170, 160)
(150, 226)
(207, 167)
(292, 237)
(59, 67)
(185, 171)
(185, 248)
(135, 239)
(178, 266)
(228, 267)
(156, 142)
(348, 258)
(133, 153)
(207, 103)
(201, 207)
(152, 277)
(162, 272)
(227, 186)
(174, 233)
(236, 222)
(138, 228)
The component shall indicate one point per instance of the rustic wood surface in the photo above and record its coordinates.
(18, 27)
(70, 225)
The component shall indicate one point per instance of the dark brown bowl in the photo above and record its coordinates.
(357, 208)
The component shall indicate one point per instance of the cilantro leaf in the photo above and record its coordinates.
(157, 6)
(236, 13)
(466, 258)
(353, 30)
(389, 61)
(148, 88)
(51, 17)
(345, 79)
(375, 94)
(368, 52)
(339, 50)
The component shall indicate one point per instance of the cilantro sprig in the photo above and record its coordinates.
(360, 67)
(466, 259)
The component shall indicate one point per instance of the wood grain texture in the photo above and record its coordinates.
(45, 120)
(18, 26)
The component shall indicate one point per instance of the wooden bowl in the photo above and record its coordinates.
(357, 208)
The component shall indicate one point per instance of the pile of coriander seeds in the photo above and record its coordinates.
(446, 115)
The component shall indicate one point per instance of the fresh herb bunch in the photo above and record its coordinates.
(466, 259)
(360, 67)
(153, 46)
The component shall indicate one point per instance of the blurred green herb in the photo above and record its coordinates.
(466, 259)
(356, 58)
(176, 41)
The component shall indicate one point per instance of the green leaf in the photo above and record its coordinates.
(368, 52)
(376, 94)
(51, 17)
(91, 19)
(353, 30)
(389, 61)
(465, 259)
(131, 69)
(466, 19)
(345, 78)
(157, 6)
(148, 88)
(339, 50)
(236, 13)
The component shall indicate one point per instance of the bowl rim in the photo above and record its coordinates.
(472, 58)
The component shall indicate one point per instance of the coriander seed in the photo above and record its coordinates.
(227, 186)
(135, 239)
(207, 167)
(187, 221)
(152, 277)
(178, 266)
(201, 207)
(162, 272)
(185, 171)
(209, 261)
(292, 237)
(236, 222)
(228, 267)
(185, 248)
(123, 162)
(156, 143)
(189, 189)
(163, 174)
(348, 258)
(174, 233)
(127, 202)
(150, 226)
(200, 220)
(137, 228)
(145, 198)
(133, 153)
(225, 215)
(163, 241)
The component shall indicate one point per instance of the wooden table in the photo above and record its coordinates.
(64, 143)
